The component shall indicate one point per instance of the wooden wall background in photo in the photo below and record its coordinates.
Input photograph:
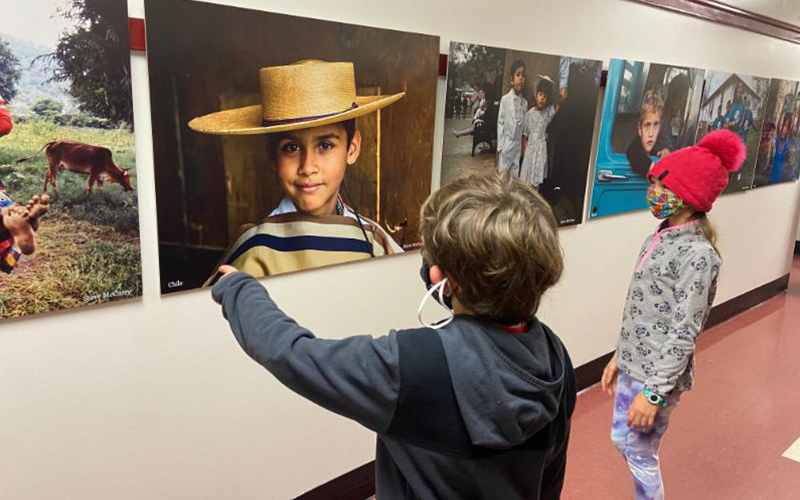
(724, 13)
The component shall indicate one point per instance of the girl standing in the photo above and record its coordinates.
(668, 302)
(534, 163)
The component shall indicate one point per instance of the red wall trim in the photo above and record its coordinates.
(137, 36)
(723, 13)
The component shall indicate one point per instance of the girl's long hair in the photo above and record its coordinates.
(708, 230)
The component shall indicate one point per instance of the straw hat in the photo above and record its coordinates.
(301, 95)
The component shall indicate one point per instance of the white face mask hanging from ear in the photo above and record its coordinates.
(437, 289)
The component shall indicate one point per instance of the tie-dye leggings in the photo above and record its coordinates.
(640, 449)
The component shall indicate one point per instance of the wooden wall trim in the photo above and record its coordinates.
(729, 15)
(358, 484)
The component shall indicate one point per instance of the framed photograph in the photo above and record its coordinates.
(528, 113)
(649, 110)
(284, 143)
(735, 102)
(779, 152)
(70, 220)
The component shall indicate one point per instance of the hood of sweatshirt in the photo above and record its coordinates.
(508, 385)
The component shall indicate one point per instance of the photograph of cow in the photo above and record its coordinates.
(209, 188)
(491, 124)
(735, 102)
(67, 159)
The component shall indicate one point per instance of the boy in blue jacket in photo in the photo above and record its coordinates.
(474, 407)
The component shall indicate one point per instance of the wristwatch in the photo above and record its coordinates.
(654, 399)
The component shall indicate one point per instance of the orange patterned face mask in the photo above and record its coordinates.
(662, 204)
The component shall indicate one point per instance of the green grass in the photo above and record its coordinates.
(111, 207)
(105, 263)
(76, 263)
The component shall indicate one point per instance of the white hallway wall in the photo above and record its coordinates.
(153, 399)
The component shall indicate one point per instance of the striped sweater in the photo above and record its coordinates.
(289, 241)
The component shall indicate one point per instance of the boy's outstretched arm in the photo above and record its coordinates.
(357, 377)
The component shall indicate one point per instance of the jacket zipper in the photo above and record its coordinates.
(656, 240)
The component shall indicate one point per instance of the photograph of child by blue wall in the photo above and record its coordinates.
(779, 152)
(649, 111)
(529, 113)
(735, 102)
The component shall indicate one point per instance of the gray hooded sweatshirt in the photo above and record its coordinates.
(469, 411)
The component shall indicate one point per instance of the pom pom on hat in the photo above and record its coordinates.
(698, 174)
(727, 146)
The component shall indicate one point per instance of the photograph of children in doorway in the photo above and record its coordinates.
(735, 102)
(241, 158)
(779, 152)
(649, 110)
(534, 116)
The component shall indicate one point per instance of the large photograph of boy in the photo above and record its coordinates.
(735, 102)
(779, 151)
(68, 202)
(284, 143)
(649, 111)
(532, 114)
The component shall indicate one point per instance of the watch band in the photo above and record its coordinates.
(653, 398)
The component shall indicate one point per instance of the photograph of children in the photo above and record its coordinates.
(68, 202)
(649, 110)
(284, 143)
(528, 113)
(735, 102)
(779, 151)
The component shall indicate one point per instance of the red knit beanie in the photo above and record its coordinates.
(699, 173)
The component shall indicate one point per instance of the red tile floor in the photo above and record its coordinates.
(727, 435)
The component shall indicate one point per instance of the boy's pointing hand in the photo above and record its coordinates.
(222, 272)
(226, 270)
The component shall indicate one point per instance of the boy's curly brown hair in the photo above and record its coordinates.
(497, 238)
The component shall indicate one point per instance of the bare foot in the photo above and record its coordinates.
(21, 221)
(37, 207)
(15, 220)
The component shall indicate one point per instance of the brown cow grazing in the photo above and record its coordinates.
(94, 161)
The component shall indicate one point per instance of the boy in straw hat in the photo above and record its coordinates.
(308, 109)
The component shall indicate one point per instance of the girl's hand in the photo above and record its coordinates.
(641, 414)
(609, 380)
